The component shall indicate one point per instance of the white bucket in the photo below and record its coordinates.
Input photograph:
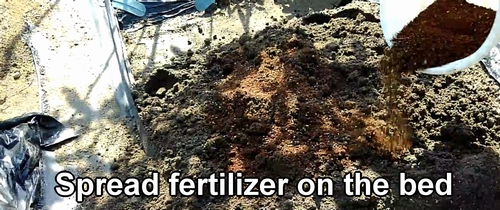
(396, 14)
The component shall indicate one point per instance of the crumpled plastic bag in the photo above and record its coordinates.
(22, 140)
(156, 12)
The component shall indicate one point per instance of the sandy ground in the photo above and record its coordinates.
(18, 83)
(256, 87)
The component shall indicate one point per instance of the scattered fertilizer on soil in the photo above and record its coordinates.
(448, 30)
(308, 99)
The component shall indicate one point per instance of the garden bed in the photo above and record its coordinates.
(306, 99)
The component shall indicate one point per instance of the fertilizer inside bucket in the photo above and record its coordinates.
(448, 30)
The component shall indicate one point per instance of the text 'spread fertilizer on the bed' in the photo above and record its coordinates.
(235, 184)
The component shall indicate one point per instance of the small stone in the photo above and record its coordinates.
(208, 41)
(114, 166)
(490, 122)
(190, 53)
(161, 92)
(3, 99)
(306, 187)
(190, 131)
(360, 18)
(16, 75)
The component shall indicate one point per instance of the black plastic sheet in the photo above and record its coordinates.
(22, 140)
(156, 12)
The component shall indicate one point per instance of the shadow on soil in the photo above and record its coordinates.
(275, 105)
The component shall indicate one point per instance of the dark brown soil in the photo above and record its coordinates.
(308, 99)
(441, 34)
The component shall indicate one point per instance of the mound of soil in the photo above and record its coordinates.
(308, 99)
(284, 106)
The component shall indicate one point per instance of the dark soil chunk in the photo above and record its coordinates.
(446, 31)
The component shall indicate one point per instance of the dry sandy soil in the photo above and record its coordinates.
(305, 98)
(17, 75)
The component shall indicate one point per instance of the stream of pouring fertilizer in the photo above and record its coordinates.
(397, 131)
